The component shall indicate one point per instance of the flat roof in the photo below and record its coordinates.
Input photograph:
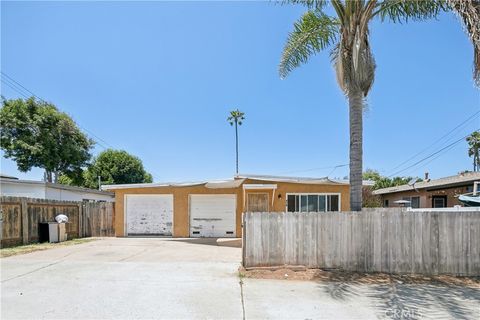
(228, 183)
(306, 180)
(55, 186)
(212, 184)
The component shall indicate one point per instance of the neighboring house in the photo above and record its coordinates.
(13, 187)
(214, 208)
(438, 193)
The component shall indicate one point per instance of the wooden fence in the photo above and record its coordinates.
(20, 217)
(379, 240)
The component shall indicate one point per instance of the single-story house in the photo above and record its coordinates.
(437, 193)
(14, 187)
(214, 208)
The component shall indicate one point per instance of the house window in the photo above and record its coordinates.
(385, 203)
(469, 189)
(414, 201)
(439, 201)
(313, 202)
(293, 204)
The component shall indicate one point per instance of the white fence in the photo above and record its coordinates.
(377, 240)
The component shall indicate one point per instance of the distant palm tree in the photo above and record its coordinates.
(474, 149)
(353, 60)
(469, 12)
(236, 118)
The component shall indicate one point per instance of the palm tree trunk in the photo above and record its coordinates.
(355, 101)
(236, 146)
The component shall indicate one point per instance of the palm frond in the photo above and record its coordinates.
(339, 9)
(311, 34)
(404, 10)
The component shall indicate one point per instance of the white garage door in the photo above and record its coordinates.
(212, 215)
(149, 214)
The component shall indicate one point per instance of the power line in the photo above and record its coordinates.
(431, 155)
(472, 117)
(20, 85)
(104, 145)
(316, 169)
(15, 85)
(435, 158)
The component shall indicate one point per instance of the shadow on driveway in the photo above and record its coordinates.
(399, 300)
(202, 241)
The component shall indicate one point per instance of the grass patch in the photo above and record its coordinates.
(13, 251)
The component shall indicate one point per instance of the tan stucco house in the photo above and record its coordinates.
(214, 208)
(430, 193)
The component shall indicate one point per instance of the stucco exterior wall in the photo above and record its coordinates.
(181, 219)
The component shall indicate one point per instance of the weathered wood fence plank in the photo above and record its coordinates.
(376, 240)
(20, 218)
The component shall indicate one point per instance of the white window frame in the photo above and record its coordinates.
(409, 198)
(315, 194)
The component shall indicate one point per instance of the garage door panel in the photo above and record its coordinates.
(212, 215)
(149, 214)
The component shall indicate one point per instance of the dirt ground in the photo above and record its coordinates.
(302, 273)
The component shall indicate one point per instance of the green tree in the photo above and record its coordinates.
(348, 33)
(473, 149)
(73, 178)
(115, 167)
(236, 118)
(35, 134)
(384, 182)
(372, 175)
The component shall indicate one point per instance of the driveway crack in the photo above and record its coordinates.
(33, 271)
(242, 299)
(38, 269)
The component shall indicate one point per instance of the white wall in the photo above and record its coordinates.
(37, 190)
(30, 190)
(70, 195)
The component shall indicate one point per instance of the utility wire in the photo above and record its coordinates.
(104, 143)
(20, 85)
(316, 169)
(15, 85)
(435, 158)
(431, 155)
(472, 117)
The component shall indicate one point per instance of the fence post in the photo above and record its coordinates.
(80, 220)
(24, 212)
(243, 239)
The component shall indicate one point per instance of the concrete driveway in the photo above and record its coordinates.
(149, 278)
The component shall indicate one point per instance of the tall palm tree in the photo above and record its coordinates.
(469, 13)
(236, 118)
(474, 149)
(348, 33)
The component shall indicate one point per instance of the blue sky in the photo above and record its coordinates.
(158, 78)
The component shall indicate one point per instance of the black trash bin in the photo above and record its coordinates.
(51, 232)
(43, 232)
